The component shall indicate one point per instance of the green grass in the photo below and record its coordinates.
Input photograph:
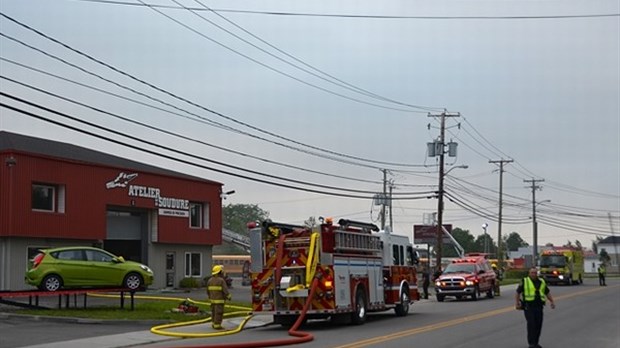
(157, 310)
(143, 310)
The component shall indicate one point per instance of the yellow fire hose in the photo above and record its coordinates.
(161, 329)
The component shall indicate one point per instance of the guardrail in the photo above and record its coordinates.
(34, 295)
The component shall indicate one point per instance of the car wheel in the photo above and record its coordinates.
(359, 316)
(440, 298)
(402, 309)
(51, 282)
(491, 292)
(133, 281)
(476, 294)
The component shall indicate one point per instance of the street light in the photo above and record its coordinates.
(439, 245)
(486, 242)
(224, 195)
(535, 230)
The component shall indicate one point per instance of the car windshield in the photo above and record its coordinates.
(553, 260)
(459, 268)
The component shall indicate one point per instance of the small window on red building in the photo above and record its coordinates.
(43, 197)
(195, 215)
(47, 197)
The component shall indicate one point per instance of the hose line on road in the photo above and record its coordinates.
(299, 336)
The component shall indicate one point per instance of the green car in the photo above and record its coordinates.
(84, 267)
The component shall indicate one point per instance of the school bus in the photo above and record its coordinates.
(233, 264)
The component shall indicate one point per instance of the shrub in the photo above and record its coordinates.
(189, 283)
(516, 273)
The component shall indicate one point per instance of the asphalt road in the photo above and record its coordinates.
(586, 316)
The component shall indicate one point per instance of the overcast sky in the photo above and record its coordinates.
(329, 93)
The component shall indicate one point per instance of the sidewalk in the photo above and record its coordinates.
(146, 337)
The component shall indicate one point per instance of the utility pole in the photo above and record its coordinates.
(441, 147)
(534, 187)
(613, 240)
(500, 255)
(390, 200)
(383, 199)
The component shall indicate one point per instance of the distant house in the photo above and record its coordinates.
(611, 244)
(590, 261)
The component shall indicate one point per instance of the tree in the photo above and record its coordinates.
(464, 238)
(604, 257)
(514, 242)
(237, 216)
(595, 244)
(479, 244)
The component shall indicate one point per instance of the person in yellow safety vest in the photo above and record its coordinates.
(218, 294)
(498, 278)
(531, 296)
(601, 275)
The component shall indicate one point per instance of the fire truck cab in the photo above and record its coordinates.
(339, 271)
(562, 266)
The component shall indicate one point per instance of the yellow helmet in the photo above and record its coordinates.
(217, 269)
(494, 266)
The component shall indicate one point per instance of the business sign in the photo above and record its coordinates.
(427, 234)
(167, 206)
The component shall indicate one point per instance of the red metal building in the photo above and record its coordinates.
(57, 194)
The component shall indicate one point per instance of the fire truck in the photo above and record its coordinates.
(338, 271)
(562, 265)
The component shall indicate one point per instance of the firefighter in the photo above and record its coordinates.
(601, 275)
(217, 290)
(498, 278)
(426, 281)
(531, 296)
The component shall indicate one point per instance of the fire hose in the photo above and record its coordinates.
(299, 336)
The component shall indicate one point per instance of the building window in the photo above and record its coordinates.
(195, 215)
(43, 197)
(49, 198)
(193, 264)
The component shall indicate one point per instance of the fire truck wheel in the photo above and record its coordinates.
(359, 316)
(476, 294)
(402, 309)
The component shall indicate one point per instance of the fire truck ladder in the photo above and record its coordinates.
(346, 241)
(356, 241)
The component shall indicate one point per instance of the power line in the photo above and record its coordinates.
(177, 151)
(334, 80)
(229, 118)
(334, 15)
(226, 149)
